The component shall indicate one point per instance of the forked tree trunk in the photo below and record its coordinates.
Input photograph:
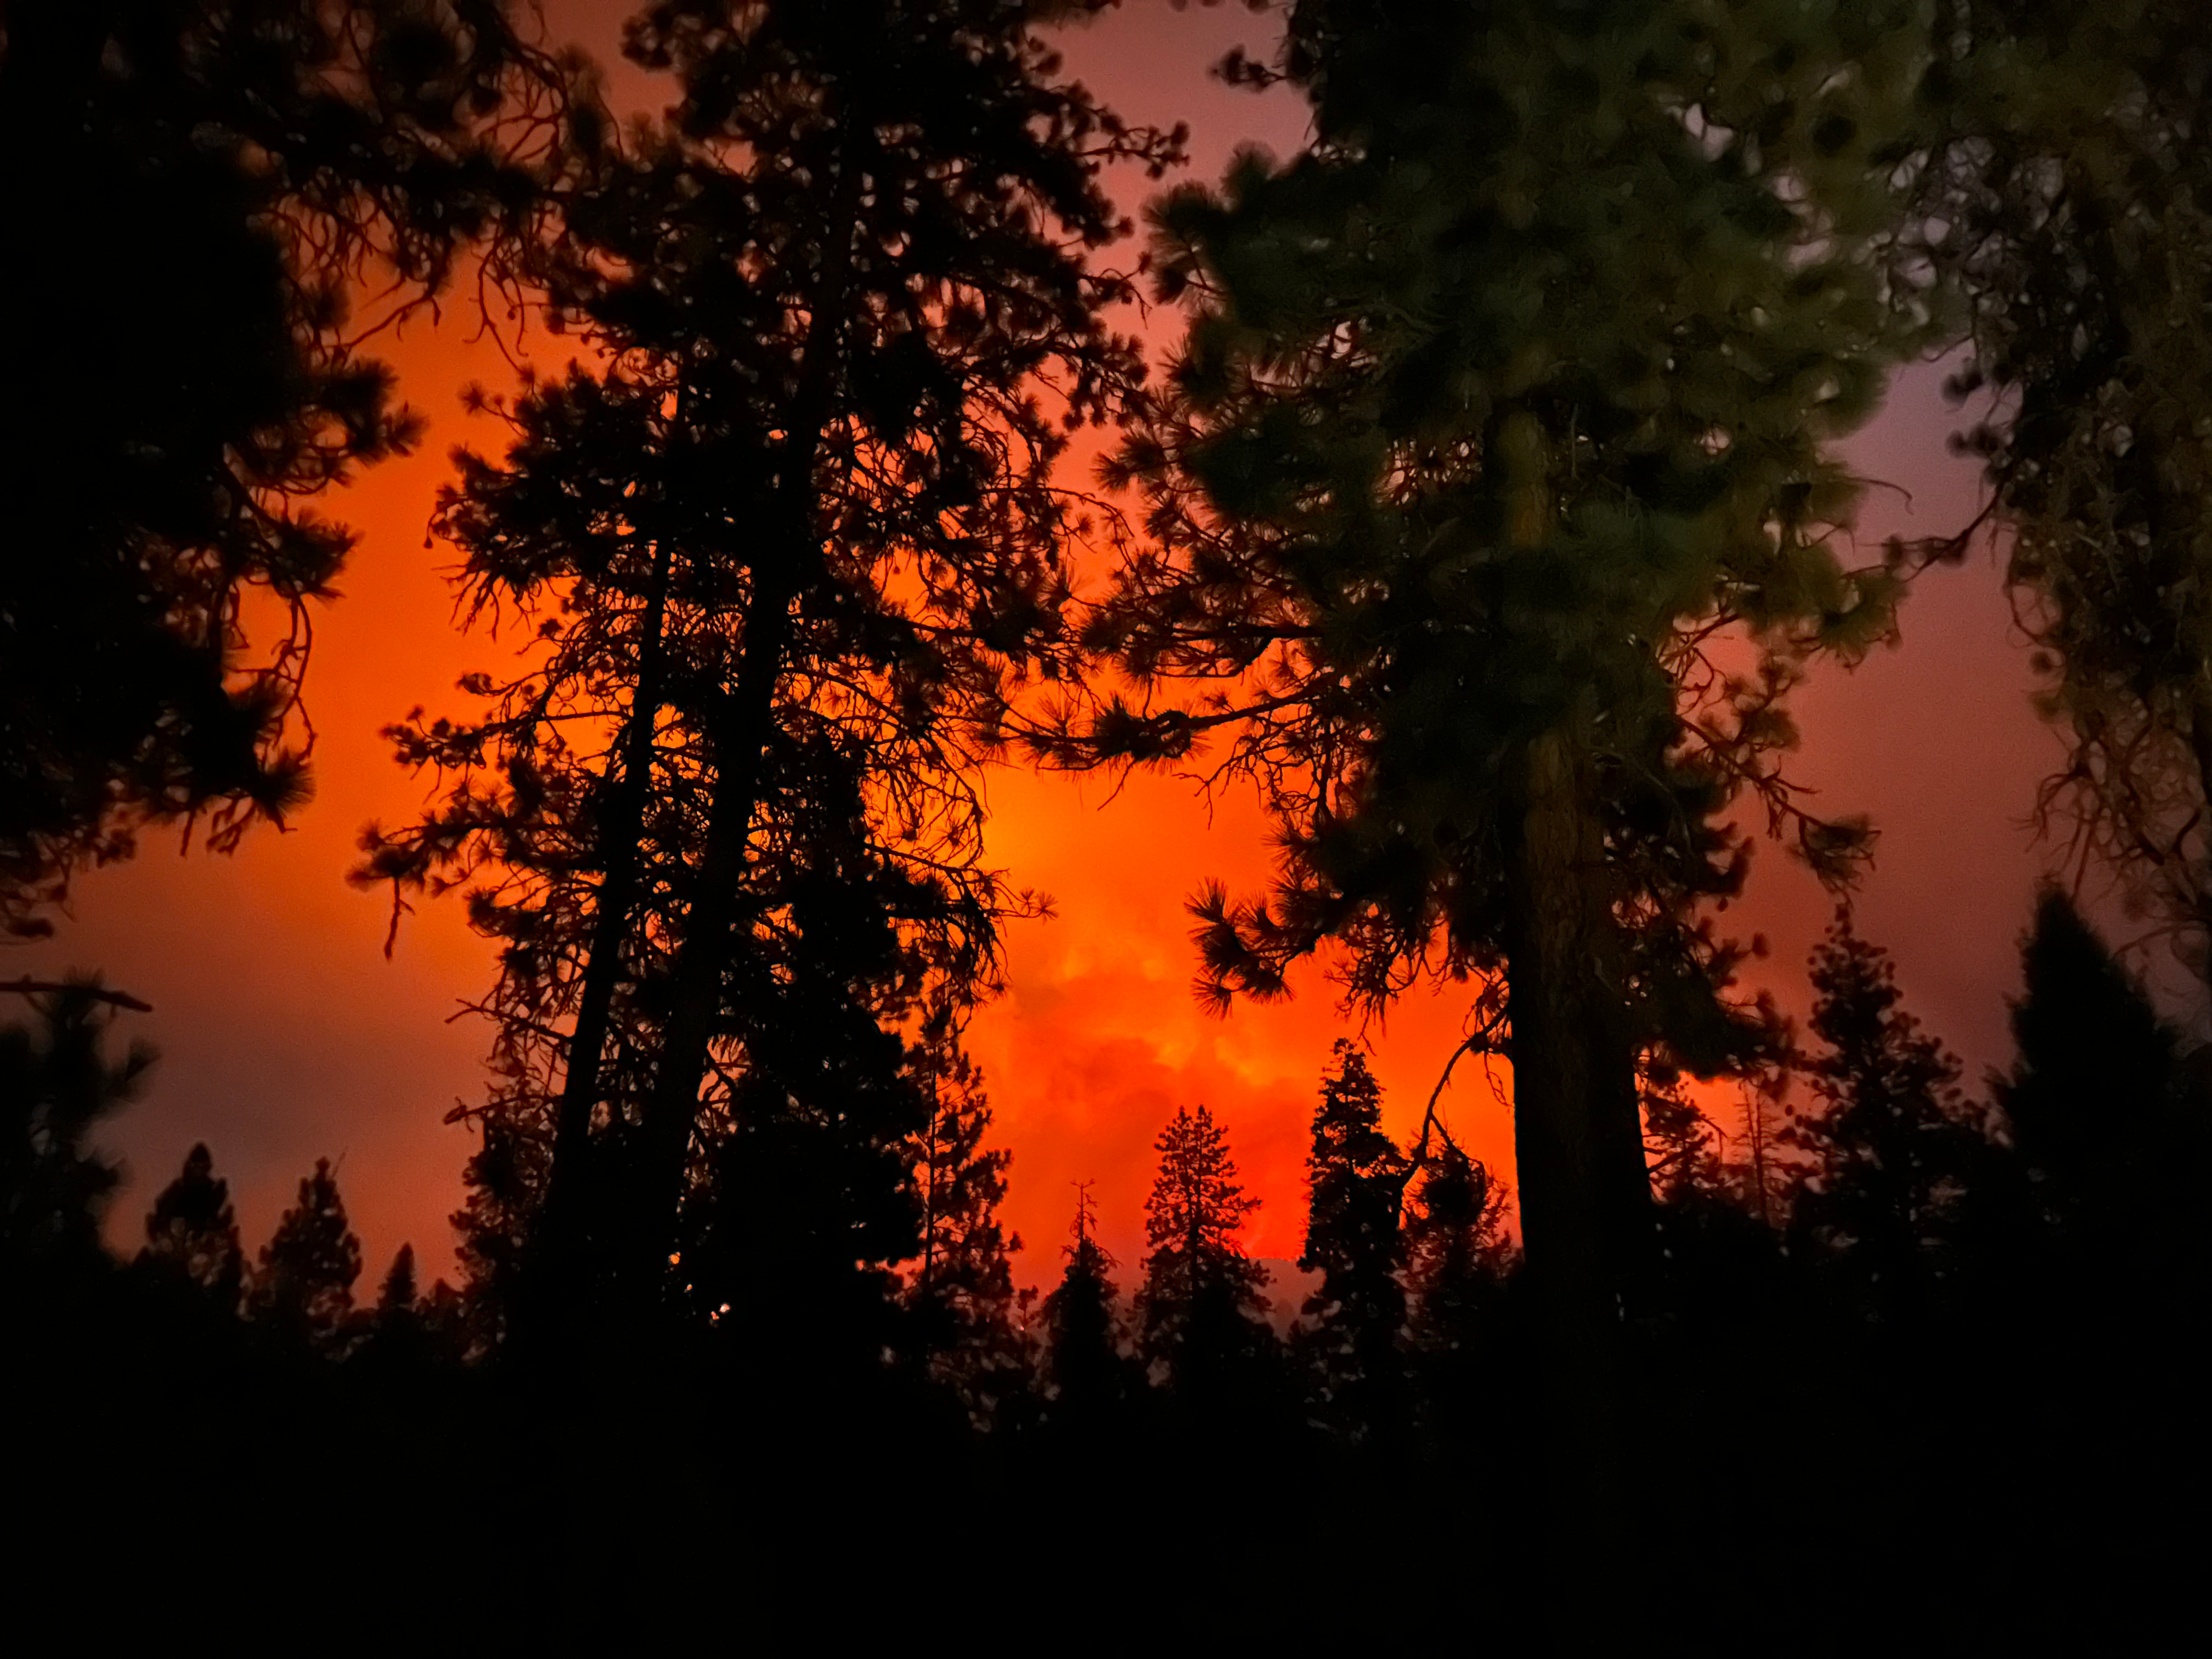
(740, 729)
(563, 1244)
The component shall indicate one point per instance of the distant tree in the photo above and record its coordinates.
(1682, 1145)
(302, 1283)
(191, 1232)
(1089, 1374)
(396, 1297)
(1458, 1255)
(961, 1298)
(1201, 1313)
(1355, 1319)
(57, 1081)
(1894, 1145)
(161, 440)
(2103, 1115)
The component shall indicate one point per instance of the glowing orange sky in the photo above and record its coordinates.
(286, 1035)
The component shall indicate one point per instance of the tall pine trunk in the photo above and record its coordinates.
(1585, 1199)
(562, 1241)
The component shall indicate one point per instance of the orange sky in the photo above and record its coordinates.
(286, 1035)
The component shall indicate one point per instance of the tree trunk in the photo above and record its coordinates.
(740, 730)
(1585, 1199)
(563, 1244)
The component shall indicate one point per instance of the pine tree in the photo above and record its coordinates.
(961, 1295)
(57, 1081)
(2069, 174)
(1458, 1256)
(302, 1285)
(1895, 1143)
(162, 440)
(1481, 439)
(1355, 1319)
(2102, 1116)
(1090, 1377)
(191, 1232)
(395, 1298)
(1200, 1311)
(801, 530)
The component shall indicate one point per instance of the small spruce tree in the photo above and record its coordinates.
(1894, 1145)
(1458, 1255)
(962, 1294)
(56, 1082)
(1355, 1319)
(1088, 1374)
(2108, 1133)
(303, 1283)
(191, 1232)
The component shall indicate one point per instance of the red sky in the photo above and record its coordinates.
(286, 1035)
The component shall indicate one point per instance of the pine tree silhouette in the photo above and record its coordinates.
(961, 1298)
(1895, 1145)
(1458, 1255)
(161, 439)
(397, 1295)
(2105, 1121)
(1200, 1310)
(1355, 1319)
(191, 1232)
(302, 1283)
(57, 1081)
(2068, 169)
(1089, 1375)
(803, 529)
(1456, 478)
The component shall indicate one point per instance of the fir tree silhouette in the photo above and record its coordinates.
(191, 1232)
(2106, 1122)
(1355, 1321)
(1201, 1312)
(1458, 1256)
(1895, 1143)
(1089, 1375)
(57, 1081)
(302, 1282)
(2067, 169)
(961, 1297)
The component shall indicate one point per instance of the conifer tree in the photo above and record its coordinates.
(302, 1285)
(191, 1232)
(57, 1081)
(1500, 405)
(1894, 1144)
(1355, 1319)
(2101, 1115)
(962, 1297)
(196, 190)
(1088, 1375)
(2068, 173)
(1458, 1255)
(1201, 1312)
(801, 530)
(396, 1297)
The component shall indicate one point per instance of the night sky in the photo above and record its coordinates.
(286, 1036)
